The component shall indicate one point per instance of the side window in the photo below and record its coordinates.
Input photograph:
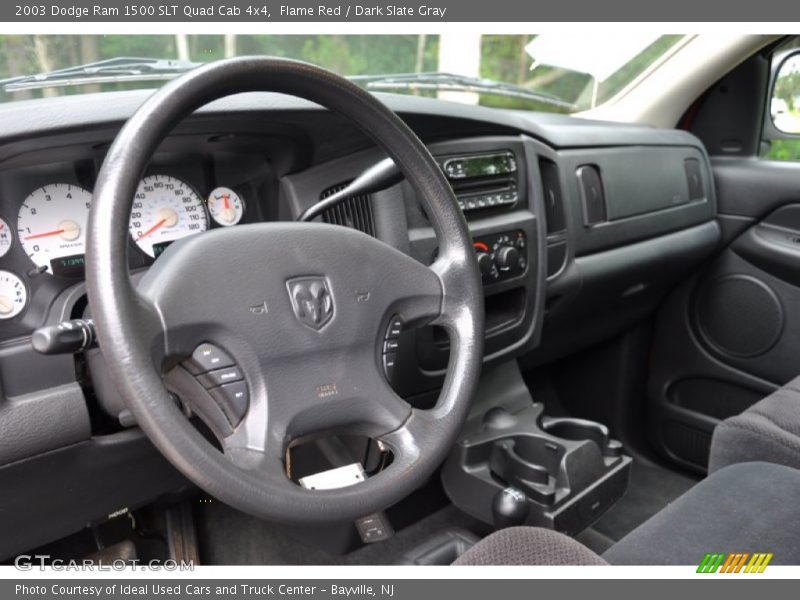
(781, 131)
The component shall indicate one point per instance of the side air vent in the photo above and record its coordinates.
(553, 202)
(592, 194)
(354, 212)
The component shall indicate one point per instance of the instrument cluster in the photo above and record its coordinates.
(50, 228)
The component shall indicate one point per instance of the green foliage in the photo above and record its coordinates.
(503, 58)
(782, 150)
(787, 88)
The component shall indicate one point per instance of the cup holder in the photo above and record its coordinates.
(528, 463)
(570, 470)
(578, 430)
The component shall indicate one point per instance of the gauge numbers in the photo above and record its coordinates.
(52, 223)
(13, 295)
(225, 206)
(165, 209)
(6, 237)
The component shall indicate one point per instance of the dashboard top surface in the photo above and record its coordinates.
(431, 118)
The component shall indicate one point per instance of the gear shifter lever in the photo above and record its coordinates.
(509, 508)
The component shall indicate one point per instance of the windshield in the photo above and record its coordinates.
(553, 73)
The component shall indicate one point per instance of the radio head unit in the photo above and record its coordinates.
(483, 180)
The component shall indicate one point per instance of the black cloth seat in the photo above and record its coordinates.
(768, 431)
(528, 546)
(747, 507)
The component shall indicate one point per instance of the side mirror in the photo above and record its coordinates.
(785, 102)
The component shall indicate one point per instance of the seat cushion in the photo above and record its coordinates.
(746, 507)
(528, 546)
(767, 431)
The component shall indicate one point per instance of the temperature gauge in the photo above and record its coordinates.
(225, 206)
(6, 237)
(13, 295)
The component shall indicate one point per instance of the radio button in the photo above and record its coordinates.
(207, 357)
(389, 361)
(394, 329)
(219, 377)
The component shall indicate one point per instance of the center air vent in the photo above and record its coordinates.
(553, 203)
(354, 212)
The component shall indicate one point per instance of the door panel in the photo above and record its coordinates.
(731, 335)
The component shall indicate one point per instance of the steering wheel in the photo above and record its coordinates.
(301, 308)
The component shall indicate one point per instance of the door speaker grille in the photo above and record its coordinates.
(739, 316)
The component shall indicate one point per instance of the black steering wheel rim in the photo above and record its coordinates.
(132, 323)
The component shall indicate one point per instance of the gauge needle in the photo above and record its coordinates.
(68, 230)
(153, 228)
(6, 305)
(169, 218)
(228, 213)
(45, 234)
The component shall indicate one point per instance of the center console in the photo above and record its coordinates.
(514, 465)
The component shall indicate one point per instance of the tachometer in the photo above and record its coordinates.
(52, 224)
(165, 209)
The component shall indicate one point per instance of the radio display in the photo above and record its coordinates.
(484, 165)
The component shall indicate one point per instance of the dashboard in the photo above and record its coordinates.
(580, 230)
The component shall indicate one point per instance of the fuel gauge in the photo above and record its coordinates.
(6, 237)
(225, 206)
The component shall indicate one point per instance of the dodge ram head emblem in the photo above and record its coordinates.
(311, 300)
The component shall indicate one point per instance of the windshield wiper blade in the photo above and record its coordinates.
(112, 70)
(439, 81)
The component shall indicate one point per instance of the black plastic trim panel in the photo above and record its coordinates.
(47, 497)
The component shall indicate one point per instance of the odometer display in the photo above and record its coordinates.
(165, 209)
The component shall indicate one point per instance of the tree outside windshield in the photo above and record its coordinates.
(501, 58)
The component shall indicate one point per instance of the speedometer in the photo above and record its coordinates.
(52, 225)
(165, 209)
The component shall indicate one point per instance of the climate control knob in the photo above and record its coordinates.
(507, 258)
(485, 263)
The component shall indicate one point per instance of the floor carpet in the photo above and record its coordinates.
(229, 537)
(651, 488)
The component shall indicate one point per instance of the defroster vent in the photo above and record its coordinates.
(354, 212)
